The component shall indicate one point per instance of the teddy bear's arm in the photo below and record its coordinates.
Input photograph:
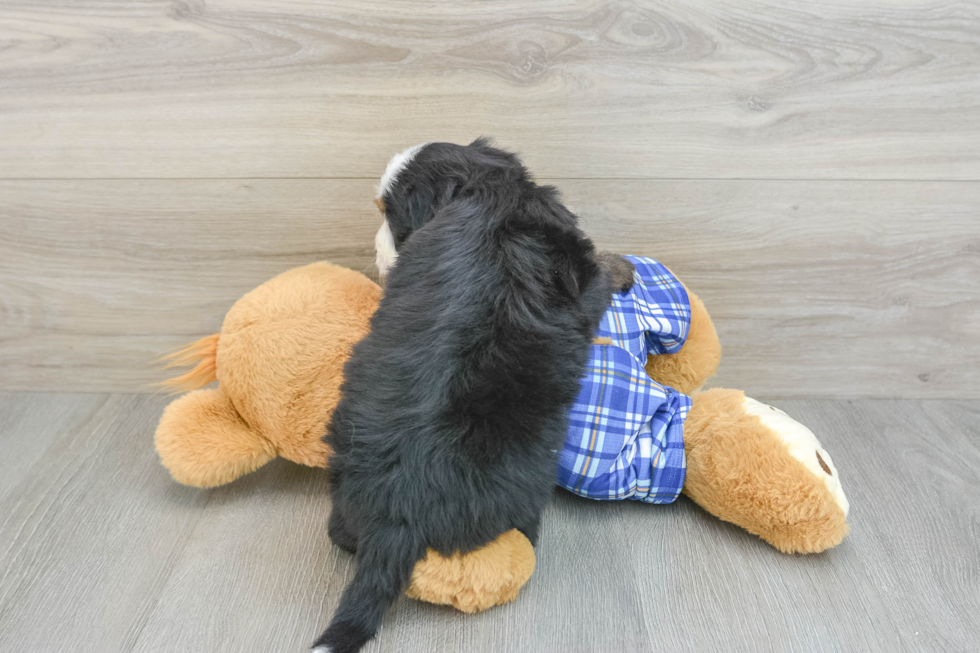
(687, 370)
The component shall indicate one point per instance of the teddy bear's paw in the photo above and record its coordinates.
(472, 582)
(204, 442)
(802, 445)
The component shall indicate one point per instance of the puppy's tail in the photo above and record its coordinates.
(384, 568)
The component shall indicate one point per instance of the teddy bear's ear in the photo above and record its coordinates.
(204, 442)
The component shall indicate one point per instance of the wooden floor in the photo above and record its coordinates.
(100, 551)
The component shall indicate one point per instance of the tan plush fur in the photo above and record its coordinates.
(203, 355)
(205, 442)
(282, 352)
(481, 579)
(741, 472)
(688, 369)
(282, 389)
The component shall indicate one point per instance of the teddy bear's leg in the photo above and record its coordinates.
(203, 441)
(489, 576)
(754, 466)
(688, 369)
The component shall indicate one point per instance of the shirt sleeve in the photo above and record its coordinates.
(626, 433)
(653, 317)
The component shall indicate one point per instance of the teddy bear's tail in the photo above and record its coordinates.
(203, 355)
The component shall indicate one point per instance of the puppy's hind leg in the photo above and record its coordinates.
(339, 529)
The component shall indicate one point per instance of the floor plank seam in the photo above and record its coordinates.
(178, 555)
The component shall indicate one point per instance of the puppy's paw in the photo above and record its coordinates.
(620, 269)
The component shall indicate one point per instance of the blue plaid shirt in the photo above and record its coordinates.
(626, 432)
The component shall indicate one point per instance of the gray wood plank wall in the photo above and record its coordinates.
(813, 171)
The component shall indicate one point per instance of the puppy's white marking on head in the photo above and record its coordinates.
(396, 165)
(321, 649)
(384, 250)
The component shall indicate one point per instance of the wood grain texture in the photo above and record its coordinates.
(101, 551)
(91, 530)
(100, 278)
(817, 288)
(828, 289)
(255, 88)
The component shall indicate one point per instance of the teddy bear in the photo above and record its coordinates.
(641, 429)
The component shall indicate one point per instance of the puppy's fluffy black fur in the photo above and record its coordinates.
(455, 403)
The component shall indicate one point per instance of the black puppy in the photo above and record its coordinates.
(455, 403)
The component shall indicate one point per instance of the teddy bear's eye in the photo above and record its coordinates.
(824, 466)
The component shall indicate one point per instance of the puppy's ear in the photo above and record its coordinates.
(419, 206)
(424, 201)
